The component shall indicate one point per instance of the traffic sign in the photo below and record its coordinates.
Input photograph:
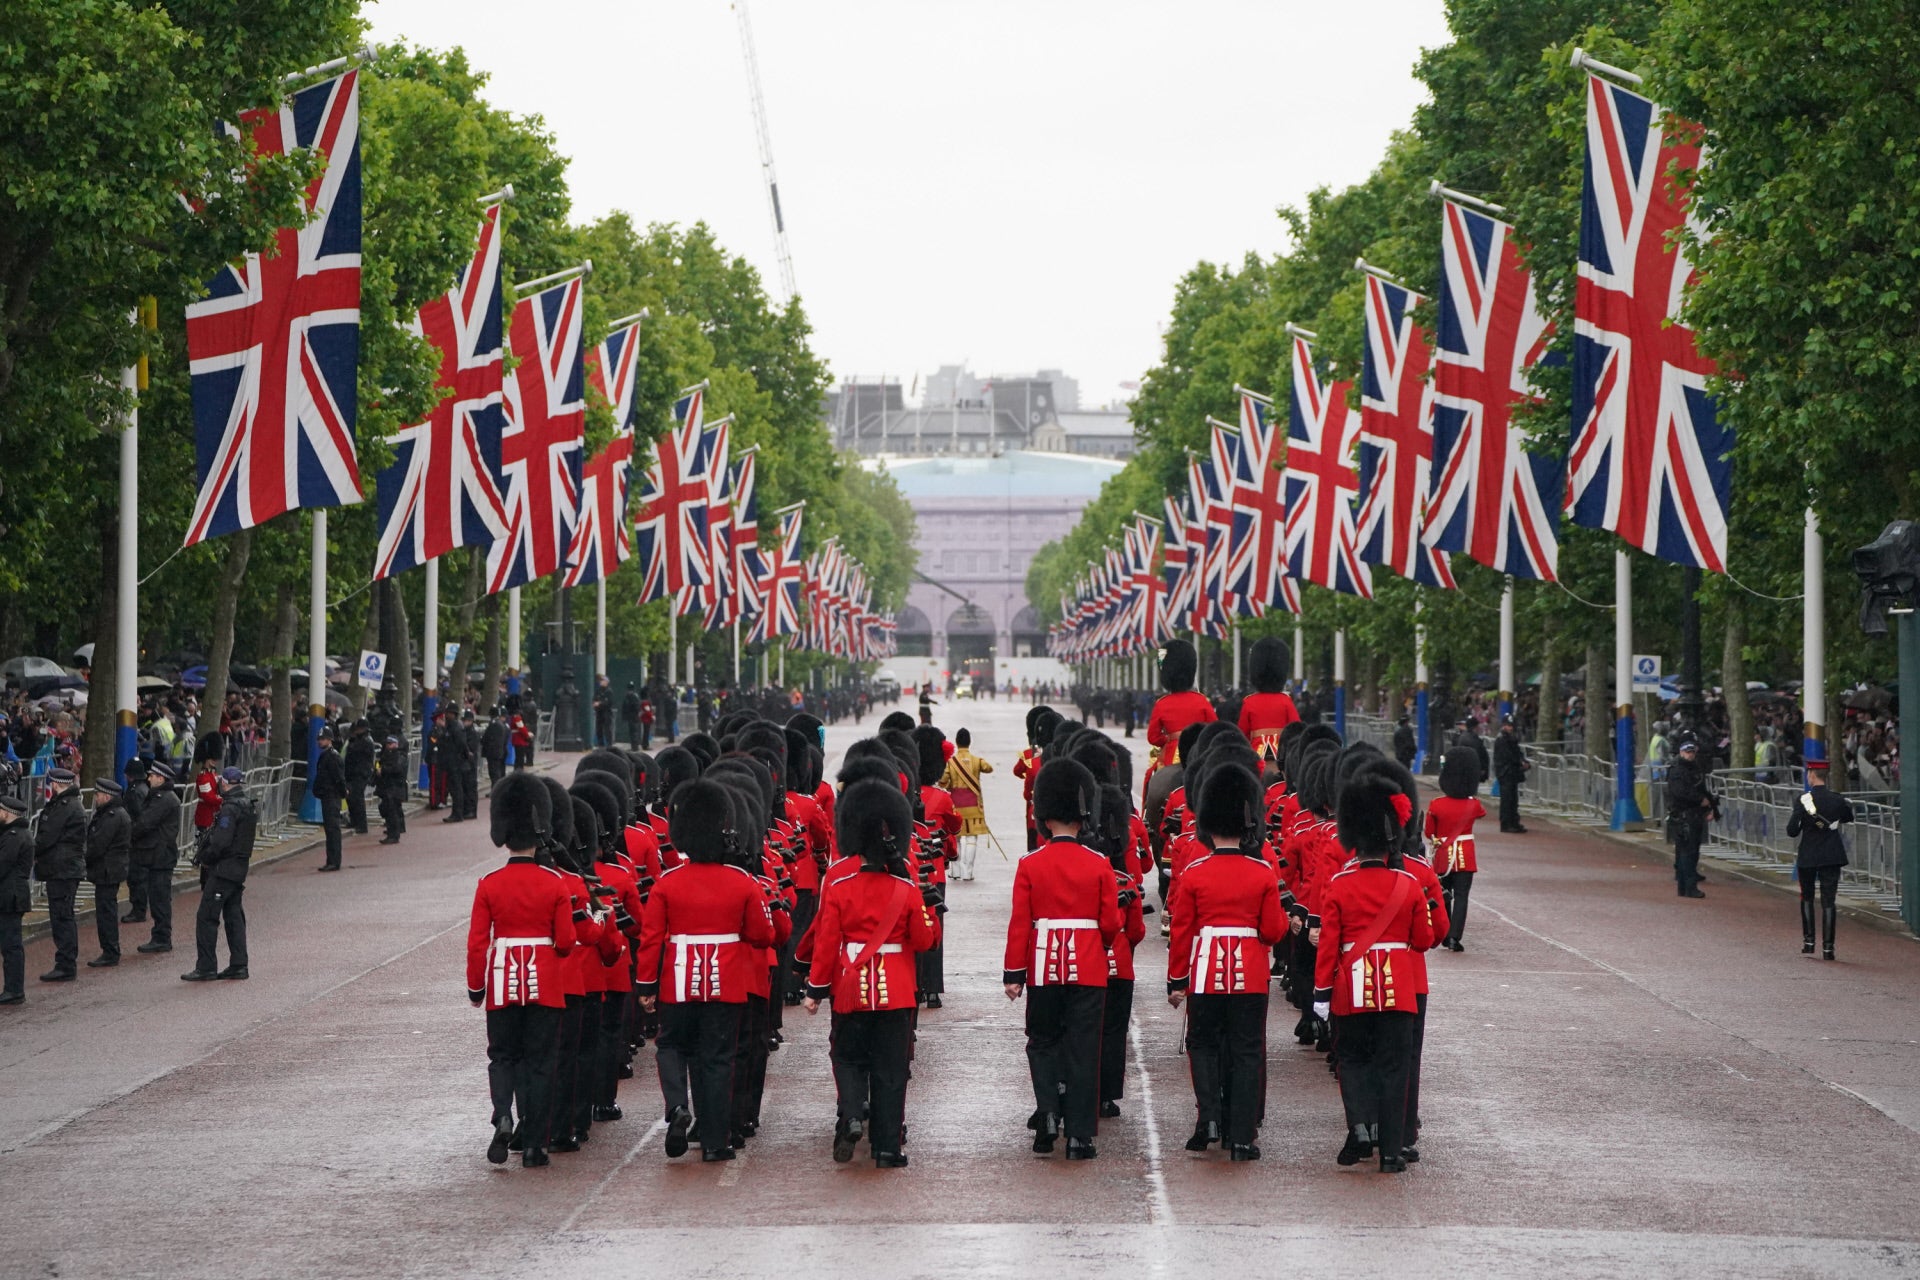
(373, 668)
(1646, 673)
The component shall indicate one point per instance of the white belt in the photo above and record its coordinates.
(1202, 959)
(684, 960)
(1042, 935)
(510, 981)
(884, 949)
(1357, 970)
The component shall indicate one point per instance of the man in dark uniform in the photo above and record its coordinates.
(1405, 745)
(329, 788)
(602, 711)
(432, 746)
(132, 799)
(451, 760)
(1816, 820)
(390, 785)
(108, 828)
(16, 896)
(1509, 770)
(360, 756)
(226, 850)
(493, 746)
(470, 764)
(630, 713)
(1463, 735)
(154, 849)
(60, 859)
(1690, 806)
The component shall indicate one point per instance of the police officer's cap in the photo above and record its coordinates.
(108, 785)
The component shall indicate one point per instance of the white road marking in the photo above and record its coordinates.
(1156, 1176)
(586, 1201)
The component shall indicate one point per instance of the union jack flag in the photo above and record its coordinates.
(541, 446)
(274, 347)
(672, 528)
(600, 540)
(1487, 487)
(1396, 438)
(443, 489)
(1216, 479)
(1650, 460)
(716, 597)
(1321, 483)
(780, 584)
(1176, 561)
(1207, 564)
(744, 547)
(1258, 572)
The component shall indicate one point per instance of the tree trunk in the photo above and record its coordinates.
(463, 628)
(357, 693)
(1547, 727)
(226, 601)
(1599, 713)
(286, 626)
(1733, 686)
(490, 679)
(103, 692)
(400, 661)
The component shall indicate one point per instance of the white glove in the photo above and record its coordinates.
(1806, 802)
(1322, 1010)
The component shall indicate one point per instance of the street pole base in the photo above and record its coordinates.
(1626, 815)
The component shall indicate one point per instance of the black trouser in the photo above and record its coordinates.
(1687, 835)
(613, 1046)
(330, 823)
(220, 900)
(521, 1041)
(1063, 1049)
(106, 917)
(160, 902)
(633, 735)
(1375, 1055)
(1227, 1053)
(1413, 1071)
(1456, 887)
(695, 1052)
(65, 928)
(1826, 879)
(1510, 802)
(357, 806)
(136, 891)
(579, 1055)
(750, 1063)
(393, 812)
(1114, 1018)
(806, 902)
(496, 769)
(457, 802)
(870, 1052)
(470, 771)
(646, 735)
(13, 955)
(930, 966)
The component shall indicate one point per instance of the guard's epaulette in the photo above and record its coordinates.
(1199, 861)
(742, 870)
(667, 871)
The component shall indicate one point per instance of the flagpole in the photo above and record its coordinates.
(1340, 682)
(1299, 658)
(1506, 649)
(513, 633)
(673, 643)
(429, 664)
(736, 652)
(783, 661)
(1236, 655)
(1626, 807)
(1422, 738)
(126, 737)
(600, 627)
(1813, 642)
(316, 660)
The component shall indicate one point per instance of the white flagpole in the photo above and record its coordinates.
(1421, 730)
(317, 658)
(1236, 656)
(600, 626)
(1626, 805)
(1299, 658)
(1340, 682)
(1506, 649)
(513, 630)
(673, 641)
(430, 641)
(783, 662)
(736, 653)
(1813, 641)
(126, 606)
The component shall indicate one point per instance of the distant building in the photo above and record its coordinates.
(963, 415)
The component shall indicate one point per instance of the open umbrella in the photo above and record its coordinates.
(194, 678)
(83, 656)
(243, 676)
(28, 668)
(151, 684)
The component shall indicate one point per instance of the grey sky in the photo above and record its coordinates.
(1012, 184)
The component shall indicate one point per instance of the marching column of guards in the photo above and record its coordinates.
(691, 897)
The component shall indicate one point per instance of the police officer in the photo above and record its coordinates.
(132, 799)
(1690, 806)
(390, 785)
(493, 746)
(630, 708)
(1509, 770)
(225, 851)
(108, 829)
(360, 755)
(154, 852)
(16, 896)
(1816, 819)
(329, 788)
(470, 763)
(453, 758)
(60, 859)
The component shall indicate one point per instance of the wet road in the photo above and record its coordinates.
(1617, 1082)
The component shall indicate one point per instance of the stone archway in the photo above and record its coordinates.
(1026, 637)
(970, 639)
(913, 630)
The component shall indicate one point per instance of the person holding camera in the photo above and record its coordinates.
(223, 854)
(1690, 806)
(1227, 919)
(1066, 914)
(1816, 820)
(59, 860)
(869, 928)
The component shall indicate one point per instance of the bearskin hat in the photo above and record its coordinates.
(1188, 737)
(1179, 664)
(519, 812)
(1460, 773)
(1397, 775)
(1352, 758)
(1270, 664)
(810, 725)
(701, 824)
(676, 765)
(586, 832)
(1314, 786)
(868, 769)
(1099, 755)
(762, 735)
(1041, 732)
(904, 750)
(646, 778)
(609, 822)
(873, 823)
(754, 772)
(799, 746)
(561, 837)
(1232, 806)
(747, 831)
(1033, 719)
(898, 721)
(1374, 814)
(1112, 829)
(614, 783)
(704, 746)
(607, 760)
(1063, 791)
(1288, 736)
(932, 746)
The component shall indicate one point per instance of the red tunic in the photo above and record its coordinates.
(1066, 913)
(1381, 980)
(817, 832)
(643, 851)
(1172, 713)
(699, 940)
(852, 909)
(937, 805)
(1226, 920)
(1449, 826)
(1133, 923)
(618, 972)
(823, 796)
(519, 934)
(1264, 715)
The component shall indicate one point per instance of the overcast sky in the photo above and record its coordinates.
(1015, 184)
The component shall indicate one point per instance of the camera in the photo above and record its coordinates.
(1889, 573)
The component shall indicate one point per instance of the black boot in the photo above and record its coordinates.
(1357, 1148)
(502, 1138)
(846, 1136)
(1806, 926)
(1205, 1134)
(1829, 921)
(1046, 1135)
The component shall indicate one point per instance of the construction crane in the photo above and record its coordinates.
(780, 249)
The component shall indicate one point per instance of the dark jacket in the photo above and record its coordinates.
(1819, 831)
(1509, 761)
(1405, 745)
(226, 848)
(470, 744)
(1470, 740)
(453, 749)
(329, 776)
(16, 868)
(392, 779)
(1686, 788)
(60, 841)
(360, 757)
(493, 742)
(108, 831)
(155, 842)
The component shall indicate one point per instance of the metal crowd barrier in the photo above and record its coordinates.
(1362, 727)
(543, 734)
